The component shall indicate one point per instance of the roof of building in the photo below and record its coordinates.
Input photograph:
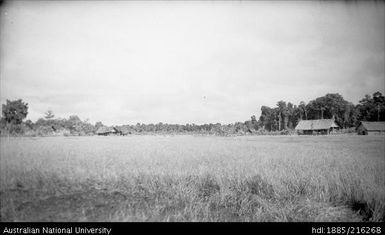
(374, 126)
(105, 129)
(319, 124)
(123, 129)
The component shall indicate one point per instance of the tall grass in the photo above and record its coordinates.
(186, 178)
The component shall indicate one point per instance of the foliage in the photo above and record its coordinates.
(286, 115)
(281, 119)
(372, 108)
(98, 125)
(332, 105)
(49, 114)
(14, 111)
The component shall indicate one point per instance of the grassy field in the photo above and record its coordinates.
(191, 178)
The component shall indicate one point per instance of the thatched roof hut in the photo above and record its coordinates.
(123, 130)
(320, 125)
(369, 128)
(104, 130)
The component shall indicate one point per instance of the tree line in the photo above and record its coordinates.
(287, 115)
(280, 119)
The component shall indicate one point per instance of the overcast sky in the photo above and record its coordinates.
(125, 62)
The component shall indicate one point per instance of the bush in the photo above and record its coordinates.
(14, 129)
(44, 131)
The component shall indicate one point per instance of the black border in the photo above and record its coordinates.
(198, 227)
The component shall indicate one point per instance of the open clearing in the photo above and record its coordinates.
(193, 178)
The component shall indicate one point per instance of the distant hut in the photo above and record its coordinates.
(320, 126)
(104, 130)
(371, 128)
(125, 130)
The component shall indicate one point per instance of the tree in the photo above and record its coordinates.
(371, 108)
(49, 115)
(29, 124)
(297, 115)
(290, 115)
(98, 125)
(253, 119)
(302, 107)
(254, 122)
(286, 115)
(15, 111)
(267, 118)
(379, 102)
(251, 124)
(283, 112)
(72, 123)
(331, 105)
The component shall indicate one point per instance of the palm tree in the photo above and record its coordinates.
(302, 107)
(282, 111)
(290, 114)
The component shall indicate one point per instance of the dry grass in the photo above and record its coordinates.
(187, 178)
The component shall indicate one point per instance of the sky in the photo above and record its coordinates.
(124, 62)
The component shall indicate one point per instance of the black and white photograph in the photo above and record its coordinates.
(191, 111)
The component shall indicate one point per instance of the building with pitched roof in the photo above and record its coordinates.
(371, 128)
(123, 130)
(104, 130)
(320, 126)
